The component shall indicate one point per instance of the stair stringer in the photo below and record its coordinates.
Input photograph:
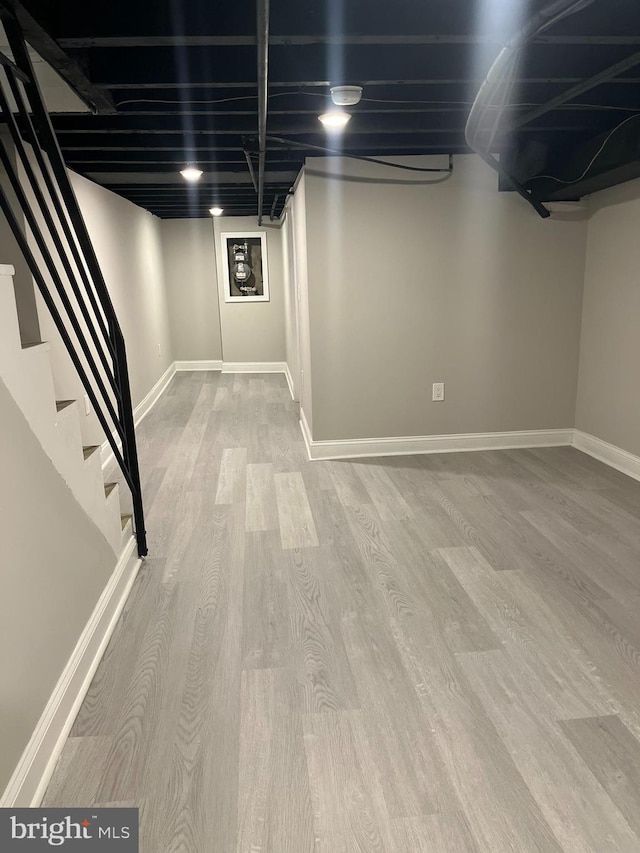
(28, 376)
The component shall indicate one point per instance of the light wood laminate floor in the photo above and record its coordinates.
(436, 653)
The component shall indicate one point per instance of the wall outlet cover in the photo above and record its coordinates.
(438, 392)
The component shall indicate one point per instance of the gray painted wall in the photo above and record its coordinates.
(192, 288)
(290, 299)
(253, 331)
(300, 236)
(51, 581)
(454, 283)
(128, 244)
(608, 397)
(22, 281)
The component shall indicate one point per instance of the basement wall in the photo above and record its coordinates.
(253, 331)
(203, 325)
(55, 565)
(608, 404)
(192, 289)
(297, 213)
(454, 283)
(22, 281)
(128, 244)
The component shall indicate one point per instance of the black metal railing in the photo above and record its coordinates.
(42, 211)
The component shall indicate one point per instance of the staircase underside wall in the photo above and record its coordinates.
(55, 564)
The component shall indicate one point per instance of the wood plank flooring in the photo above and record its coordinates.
(437, 654)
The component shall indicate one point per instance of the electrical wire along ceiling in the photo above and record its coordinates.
(548, 92)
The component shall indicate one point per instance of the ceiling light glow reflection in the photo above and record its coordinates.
(191, 174)
(334, 121)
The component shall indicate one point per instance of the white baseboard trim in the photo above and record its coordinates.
(289, 378)
(197, 365)
(422, 444)
(306, 434)
(29, 781)
(254, 367)
(611, 455)
(141, 410)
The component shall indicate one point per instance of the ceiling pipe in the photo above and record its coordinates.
(262, 28)
(247, 155)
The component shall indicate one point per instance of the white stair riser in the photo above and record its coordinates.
(113, 528)
(27, 374)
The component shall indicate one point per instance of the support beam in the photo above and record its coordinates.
(332, 39)
(323, 84)
(96, 98)
(213, 179)
(310, 130)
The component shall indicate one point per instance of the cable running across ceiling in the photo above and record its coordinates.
(499, 82)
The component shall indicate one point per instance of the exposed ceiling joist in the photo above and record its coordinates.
(400, 109)
(195, 150)
(213, 178)
(329, 39)
(192, 96)
(323, 84)
(50, 51)
(310, 130)
(580, 88)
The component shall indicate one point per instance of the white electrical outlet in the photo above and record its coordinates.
(87, 405)
(159, 350)
(438, 392)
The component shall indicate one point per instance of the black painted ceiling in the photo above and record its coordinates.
(175, 82)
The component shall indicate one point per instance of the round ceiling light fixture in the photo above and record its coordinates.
(334, 121)
(346, 96)
(191, 174)
(216, 211)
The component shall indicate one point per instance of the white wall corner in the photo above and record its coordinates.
(306, 434)
(33, 773)
(141, 410)
(197, 365)
(289, 379)
(424, 444)
(611, 455)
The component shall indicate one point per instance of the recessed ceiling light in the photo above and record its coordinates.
(216, 211)
(191, 174)
(334, 120)
(346, 96)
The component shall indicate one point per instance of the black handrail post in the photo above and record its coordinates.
(129, 446)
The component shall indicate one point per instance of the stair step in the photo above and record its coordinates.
(108, 488)
(125, 519)
(62, 404)
(90, 450)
